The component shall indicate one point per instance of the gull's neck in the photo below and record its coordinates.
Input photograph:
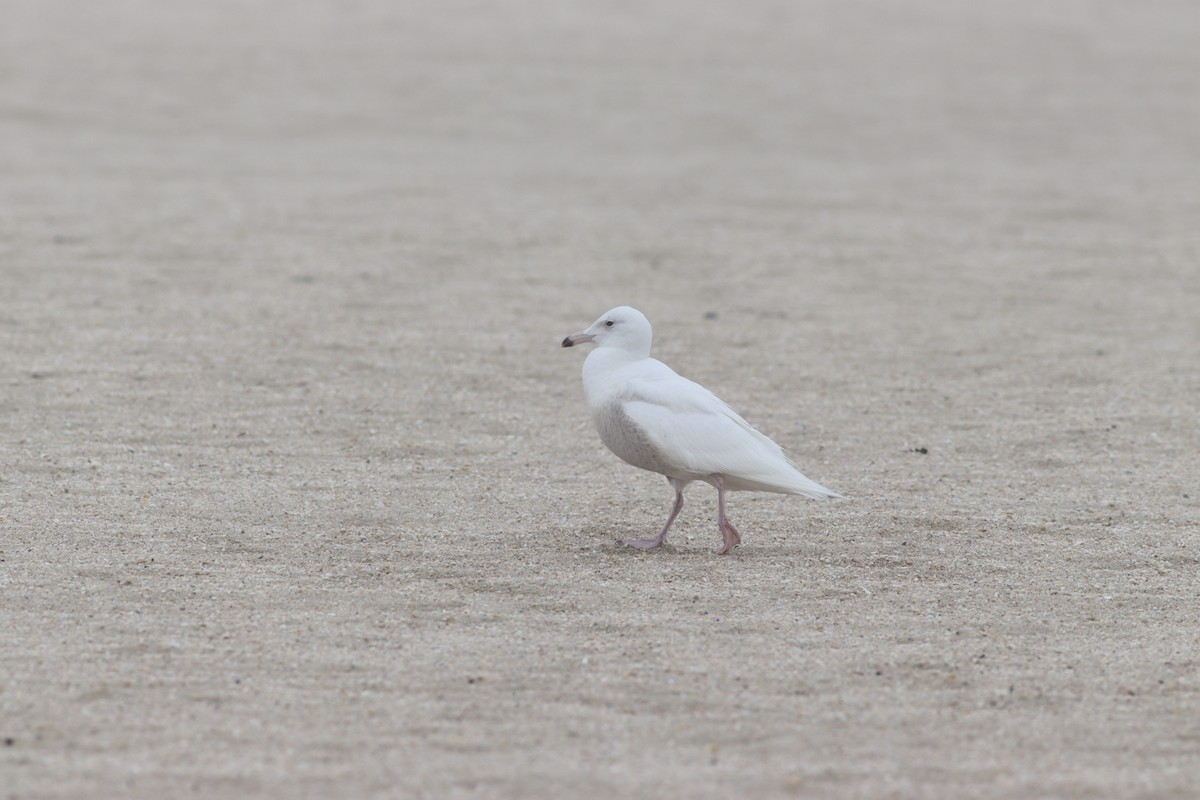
(601, 363)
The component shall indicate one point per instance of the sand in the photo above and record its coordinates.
(300, 496)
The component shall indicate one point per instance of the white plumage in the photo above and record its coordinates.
(659, 421)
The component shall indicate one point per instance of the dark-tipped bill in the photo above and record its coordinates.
(577, 338)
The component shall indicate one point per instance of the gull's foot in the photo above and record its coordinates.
(732, 538)
(643, 544)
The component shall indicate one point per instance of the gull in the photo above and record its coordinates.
(656, 420)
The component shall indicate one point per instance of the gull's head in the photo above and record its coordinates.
(623, 328)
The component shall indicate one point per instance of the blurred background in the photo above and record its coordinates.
(288, 447)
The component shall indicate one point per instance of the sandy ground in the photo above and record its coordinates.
(300, 496)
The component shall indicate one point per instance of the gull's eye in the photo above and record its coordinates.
(609, 323)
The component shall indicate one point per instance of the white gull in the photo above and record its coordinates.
(654, 419)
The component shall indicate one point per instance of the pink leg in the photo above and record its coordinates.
(728, 532)
(647, 544)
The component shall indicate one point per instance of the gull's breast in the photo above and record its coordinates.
(627, 439)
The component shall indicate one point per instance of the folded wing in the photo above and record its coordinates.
(696, 433)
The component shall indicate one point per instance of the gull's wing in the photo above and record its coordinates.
(695, 432)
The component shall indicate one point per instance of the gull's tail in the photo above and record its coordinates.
(780, 477)
(809, 488)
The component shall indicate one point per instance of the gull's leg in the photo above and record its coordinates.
(647, 544)
(728, 532)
